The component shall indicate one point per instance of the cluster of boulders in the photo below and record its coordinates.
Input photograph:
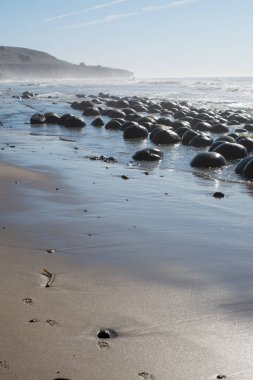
(166, 123)
(66, 120)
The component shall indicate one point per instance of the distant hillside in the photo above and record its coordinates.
(24, 64)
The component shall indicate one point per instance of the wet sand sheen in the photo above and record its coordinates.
(181, 306)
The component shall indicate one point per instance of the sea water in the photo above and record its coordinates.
(168, 216)
(56, 96)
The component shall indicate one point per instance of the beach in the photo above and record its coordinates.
(154, 257)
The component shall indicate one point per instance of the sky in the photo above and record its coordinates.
(152, 38)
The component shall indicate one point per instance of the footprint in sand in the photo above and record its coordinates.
(4, 364)
(52, 322)
(28, 301)
(103, 344)
(146, 375)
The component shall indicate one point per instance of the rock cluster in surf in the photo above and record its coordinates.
(167, 123)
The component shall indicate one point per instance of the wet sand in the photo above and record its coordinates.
(168, 269)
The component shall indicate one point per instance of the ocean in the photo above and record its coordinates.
(56, 96)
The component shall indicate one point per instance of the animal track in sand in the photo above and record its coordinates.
(103, 344)
(146, 375)
(28, 301)
(52, 322)
(4, 364)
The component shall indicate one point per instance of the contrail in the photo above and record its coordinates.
(99, 6)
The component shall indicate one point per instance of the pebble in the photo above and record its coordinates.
(218, 194)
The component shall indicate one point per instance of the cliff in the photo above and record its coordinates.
(24, 64)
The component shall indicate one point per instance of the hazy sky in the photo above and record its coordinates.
(153, 38)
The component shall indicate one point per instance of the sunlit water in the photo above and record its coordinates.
(214, 93)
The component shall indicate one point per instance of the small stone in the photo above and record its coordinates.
(218, 194)
(50, 251)
(221, 377)
(34, 320)
(106, 334)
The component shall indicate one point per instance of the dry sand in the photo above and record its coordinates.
(166, 314)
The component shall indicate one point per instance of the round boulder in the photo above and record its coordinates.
(113, 124)
(52, 118)
(166, 136)
(92, 111)
(201, 141)
(148, 154)
(208, 160)
(241, 165)
(231, 151)
(247, 142)
(248, 170)
(203, 126)
(220, 128)
(135, 132)
(188, 136)
(74, 122)
(98, 122)
(37, 118)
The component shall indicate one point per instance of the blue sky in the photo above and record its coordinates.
(152, 38)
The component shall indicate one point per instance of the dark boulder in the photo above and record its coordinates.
(188, 136)
(113, 124)
(248, 170)
(164, 121)
(37, 118)
(116, 114)
(248, 127)
(122, 103)
(135, 132)
(181, 131)
(203, 126)
(127, 124)
(98, 122)
(148, 154)
(74, 122)
(220, 128)
(92, 111)
(241, 165)
(180, 124)
(166, 136)
(226, 138)
(201, 141)
(231, 151)
(52, 118)
(247, 142)
(208, 160)
(63, 118)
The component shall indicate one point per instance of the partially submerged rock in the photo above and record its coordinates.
(148, 154)
(208, 160)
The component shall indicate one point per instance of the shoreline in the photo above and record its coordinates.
(154, 257)
(164, 314)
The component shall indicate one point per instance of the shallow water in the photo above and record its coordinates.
(173, 203)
